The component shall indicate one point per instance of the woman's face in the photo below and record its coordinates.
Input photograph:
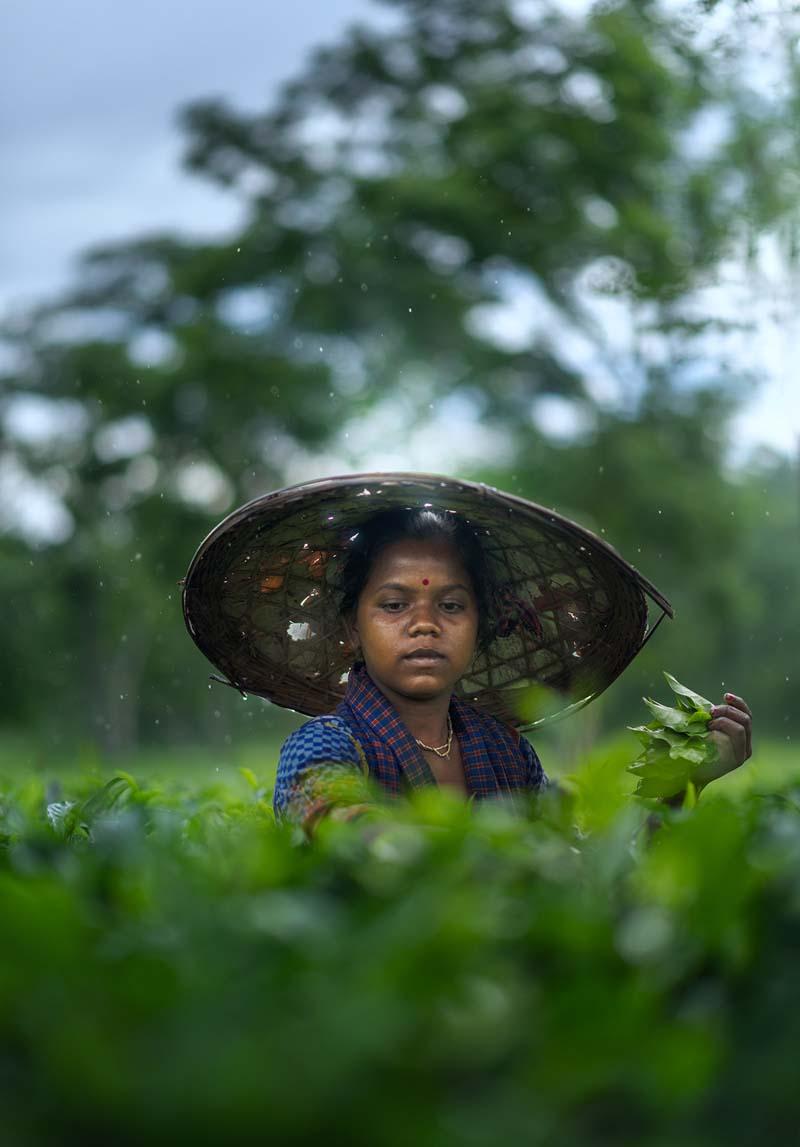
(418, 596)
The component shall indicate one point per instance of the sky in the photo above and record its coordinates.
(90, 149)
(89, 92)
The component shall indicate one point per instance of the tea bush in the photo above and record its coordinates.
(175, 965)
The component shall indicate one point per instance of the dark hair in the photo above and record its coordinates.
(400, 523)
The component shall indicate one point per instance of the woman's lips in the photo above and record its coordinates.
(424, 658)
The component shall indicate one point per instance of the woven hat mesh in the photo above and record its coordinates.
(261, 598)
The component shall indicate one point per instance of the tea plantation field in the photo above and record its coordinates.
(174, 966)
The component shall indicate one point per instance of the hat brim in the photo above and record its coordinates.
(260, 597)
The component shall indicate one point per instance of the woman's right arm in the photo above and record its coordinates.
(322, 772)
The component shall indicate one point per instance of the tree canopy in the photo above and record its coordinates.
(447, 206)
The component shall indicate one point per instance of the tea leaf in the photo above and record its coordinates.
(658, 787)
(105, 798)
(675, 744)
(672, 718)
(688, 700)
(650, 736)
(687, 753)
(690, 800)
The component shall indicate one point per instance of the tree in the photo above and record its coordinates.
(724, 547)
(395, 197)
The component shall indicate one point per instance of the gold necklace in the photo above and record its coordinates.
(445, 747)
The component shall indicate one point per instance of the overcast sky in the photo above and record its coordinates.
(88, 96)
(89, 145)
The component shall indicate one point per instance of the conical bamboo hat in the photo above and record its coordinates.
(261, 596)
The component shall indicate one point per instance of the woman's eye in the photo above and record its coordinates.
(396, 606)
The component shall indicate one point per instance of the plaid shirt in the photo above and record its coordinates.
(324, 764)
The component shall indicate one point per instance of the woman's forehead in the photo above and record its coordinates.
(431, 558)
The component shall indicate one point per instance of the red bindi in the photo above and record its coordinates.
(425, 581)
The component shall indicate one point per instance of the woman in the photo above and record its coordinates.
(415, 602)
(433, 594)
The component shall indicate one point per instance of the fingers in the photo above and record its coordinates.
(738, 703)
(737, 730)
(736, 710)
(725, 761)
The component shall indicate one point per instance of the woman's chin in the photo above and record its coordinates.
(421, 682)
(425, 683)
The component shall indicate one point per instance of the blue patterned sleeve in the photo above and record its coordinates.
(538, 779)
(321, 770)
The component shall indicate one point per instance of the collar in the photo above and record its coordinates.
(383, 720)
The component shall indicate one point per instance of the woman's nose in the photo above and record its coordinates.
(423, 620)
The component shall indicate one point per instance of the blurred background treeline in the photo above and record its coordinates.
(521, 242)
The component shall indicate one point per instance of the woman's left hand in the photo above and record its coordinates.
(731, 730)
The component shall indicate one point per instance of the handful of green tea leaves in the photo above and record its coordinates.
(676, 743)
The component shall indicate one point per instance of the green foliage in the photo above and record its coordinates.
(410, 182)
(176, 965)
(676, 744)
(722, 546)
